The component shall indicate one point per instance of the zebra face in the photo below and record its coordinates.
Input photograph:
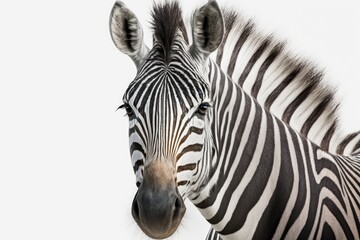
(168, 136)
(169, 109)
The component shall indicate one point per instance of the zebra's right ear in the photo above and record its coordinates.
(207, 30)
(127, 34)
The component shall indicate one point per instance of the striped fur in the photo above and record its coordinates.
(256, 164)
(213, 235)
(293, 89)
(268, 181)
(163, 127)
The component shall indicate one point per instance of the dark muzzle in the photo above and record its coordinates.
(158, 211)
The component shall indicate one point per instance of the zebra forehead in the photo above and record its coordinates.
(167, 87)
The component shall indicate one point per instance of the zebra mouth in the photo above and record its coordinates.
(158, 214)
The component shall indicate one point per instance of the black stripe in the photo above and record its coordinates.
(187, 167)
(327, 182)
(271, 216)
(242, 39)
(252, 62)
(182, 183)
(137, 147)
(254, 190)
(301, 194)
(345, 142)
(316, 114)
(229, 18)
(269, 60)
(289, 111)
(339, 217)
(138, 164)
(357, 147)
(190, 148)
(138, 84)
(136, 130)
(192, 129)
(325, 143)
(347, 175)
(220, 144)
(274, 94)
(355, 198)
(314, 194)
(327, 233)
(183, 89)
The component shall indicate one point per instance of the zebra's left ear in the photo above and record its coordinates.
(127, 34)
(207, 30)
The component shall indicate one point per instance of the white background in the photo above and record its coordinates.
(65, 171)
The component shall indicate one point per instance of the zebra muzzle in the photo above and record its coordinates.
(158, 208)
(158, 214)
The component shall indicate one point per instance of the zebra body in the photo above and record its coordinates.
(255, 164)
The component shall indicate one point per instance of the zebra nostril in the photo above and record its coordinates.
(138, 184)
(135, 208)
(177, 207)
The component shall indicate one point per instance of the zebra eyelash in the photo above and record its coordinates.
(129, 111)
(120, 107)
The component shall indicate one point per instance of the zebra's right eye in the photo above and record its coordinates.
(128, 109)
(203, 108)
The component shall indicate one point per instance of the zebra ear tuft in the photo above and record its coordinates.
(126, 33)
(207, 29)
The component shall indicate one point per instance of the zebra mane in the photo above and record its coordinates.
(310, 109)
(167, 19)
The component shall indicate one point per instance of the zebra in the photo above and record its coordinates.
(246, 165)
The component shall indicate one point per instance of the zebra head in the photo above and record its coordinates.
(169, 109)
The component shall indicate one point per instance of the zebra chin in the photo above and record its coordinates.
(158, 214)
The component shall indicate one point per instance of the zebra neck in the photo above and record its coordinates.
(249, 147)
(261, 170)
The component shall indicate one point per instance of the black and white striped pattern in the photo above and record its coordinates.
(164, 127)
(293, 89)
(259, 161)
(268, 181)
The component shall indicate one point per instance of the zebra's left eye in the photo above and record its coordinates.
(128, 109)
(202, 109)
